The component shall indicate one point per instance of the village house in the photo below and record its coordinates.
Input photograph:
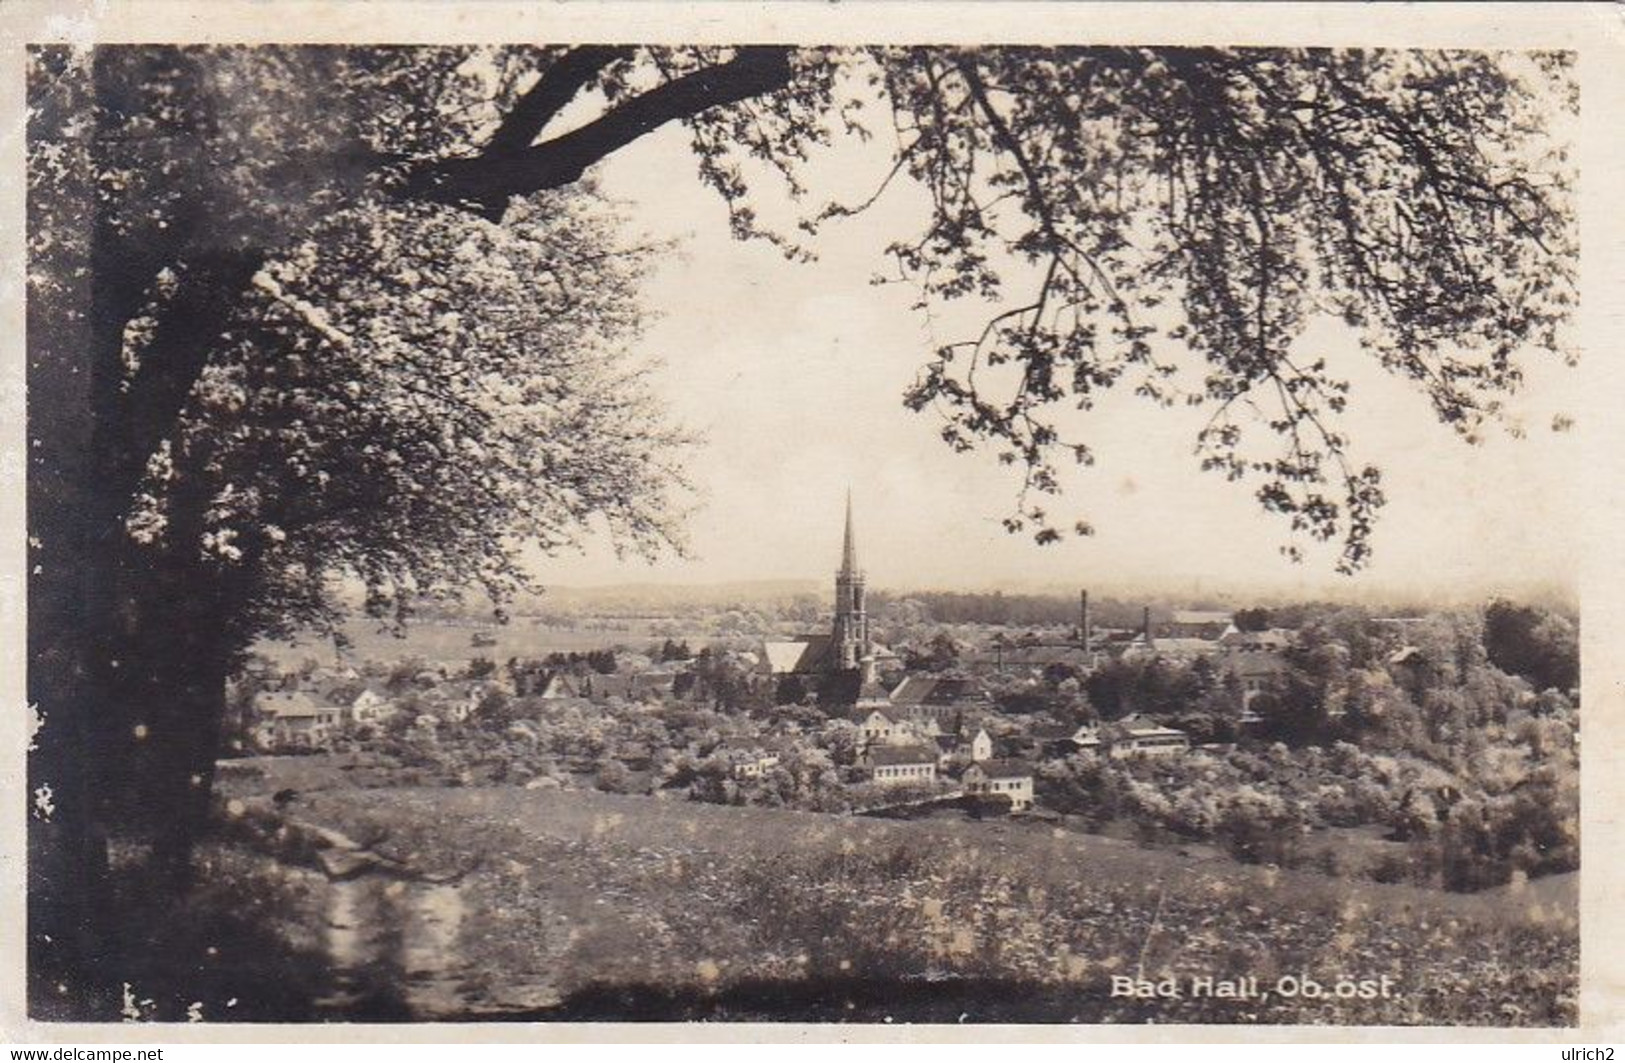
(331, 676)
(944, 699)
(289, 719)
(749, 758)
(1009, 778)
(530, 678)
(877, 728)
(900, 765)
(1255, 671)
(1411, 669)
(1052, 739)
(882, 727)
(1139, 735)
(370, 707)
(871, 694)
(1086, 739)
(957, 747)
(1181, 649)
(1205, 624)
(1035, 659)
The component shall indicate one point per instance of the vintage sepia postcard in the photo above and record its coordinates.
(847, 517)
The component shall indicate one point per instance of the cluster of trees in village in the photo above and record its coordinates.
(1474, 768)
(601, 661)
(1514, 809)
(682, 748)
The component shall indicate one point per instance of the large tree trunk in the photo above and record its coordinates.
(102, 646)
(175, 691)
(128, 652)
(179, 644)
(69, 896)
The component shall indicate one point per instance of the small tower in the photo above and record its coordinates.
(851, 634)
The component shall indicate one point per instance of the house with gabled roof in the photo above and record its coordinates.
(939, 697)
(1170, 649)
(290, 719)
(1001, 777)
(1138, 735)
(1086, 739)
(1206, 624)
(1052, 739)
(369, 707)
(963, 748)
(750, 758)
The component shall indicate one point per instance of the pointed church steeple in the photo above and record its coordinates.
(851, 634)
(849, 551)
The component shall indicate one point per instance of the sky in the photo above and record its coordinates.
(793, 374)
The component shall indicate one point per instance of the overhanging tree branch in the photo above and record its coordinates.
(486, 182)
(544, 100)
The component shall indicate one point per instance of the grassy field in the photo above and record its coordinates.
(637, 908)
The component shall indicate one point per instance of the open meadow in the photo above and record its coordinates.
(597, 906)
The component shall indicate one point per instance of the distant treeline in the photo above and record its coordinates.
(1016, 610)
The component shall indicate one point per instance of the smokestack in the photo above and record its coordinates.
(1145, 625)
(1083, 619)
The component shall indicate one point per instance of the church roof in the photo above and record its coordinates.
(806, 654)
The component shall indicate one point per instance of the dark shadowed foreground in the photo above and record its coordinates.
(505, 904)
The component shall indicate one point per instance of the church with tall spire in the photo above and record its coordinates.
(851, 629)
(847, 652)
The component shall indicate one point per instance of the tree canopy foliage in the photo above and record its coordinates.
(1166, 219)
(1539, 645)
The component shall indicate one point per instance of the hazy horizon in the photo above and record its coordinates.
(1237, 595)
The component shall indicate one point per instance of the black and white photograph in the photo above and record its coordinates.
(796, 529)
